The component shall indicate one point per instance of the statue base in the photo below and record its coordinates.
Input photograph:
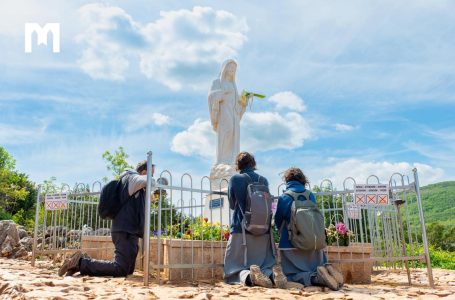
(220, 175)
(217, 206)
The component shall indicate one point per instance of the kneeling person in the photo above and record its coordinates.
(250, 258)
(127, 228)
(303, 259)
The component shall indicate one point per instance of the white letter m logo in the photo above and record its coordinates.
(41, 33)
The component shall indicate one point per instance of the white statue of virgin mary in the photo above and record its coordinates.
(225, 113)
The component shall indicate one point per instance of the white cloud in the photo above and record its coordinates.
(141, 118)
(360, 170)
(109, 32)
(269, 131)
(181, 48)
(288, 100)
(160, 119)
(259, 132)
(14, 135)
(344, 127)
(188, 45)
(198, 139)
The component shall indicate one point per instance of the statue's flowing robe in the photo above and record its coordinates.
(225, 115)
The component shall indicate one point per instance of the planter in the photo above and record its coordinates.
(194, 260)
(353, 261)
(101, 247)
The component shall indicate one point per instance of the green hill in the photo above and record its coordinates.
(438, 202)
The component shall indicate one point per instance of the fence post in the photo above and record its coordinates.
(147, 219)
(424, 231)
(35, 231)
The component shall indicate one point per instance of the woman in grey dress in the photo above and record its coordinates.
(249, 258)
(308, 267)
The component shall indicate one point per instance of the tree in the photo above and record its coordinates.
(17, 193)
(116, 162)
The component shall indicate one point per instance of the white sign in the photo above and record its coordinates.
(56, 201)
(41, 35)
(354, 211)
(371, 194)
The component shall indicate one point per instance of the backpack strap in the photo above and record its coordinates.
(295, 195)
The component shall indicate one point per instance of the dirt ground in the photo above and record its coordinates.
(19, 280)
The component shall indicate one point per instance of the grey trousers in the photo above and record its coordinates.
(126, 249)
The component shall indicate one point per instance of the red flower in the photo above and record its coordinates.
(206, 220)
(226, 236)
(189, 232)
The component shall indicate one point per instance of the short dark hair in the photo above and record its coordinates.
(141, 166)
(295, 174)
(245, 160)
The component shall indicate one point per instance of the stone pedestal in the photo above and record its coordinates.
(353, 261)
(217, 206)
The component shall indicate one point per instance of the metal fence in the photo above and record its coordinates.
(186, 226)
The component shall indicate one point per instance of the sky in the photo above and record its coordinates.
(353, 88)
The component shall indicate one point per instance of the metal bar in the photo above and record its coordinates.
(147, 220)
(424, 231)
(186, 189)
(35, 231)
(403, 243)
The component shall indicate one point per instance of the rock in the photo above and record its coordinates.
(102, 232)
(9, 238)
(54, 243)
(56, 230)
(27, 243)
(87, 230)
(74, 234)
(22, 233)
(20, 252)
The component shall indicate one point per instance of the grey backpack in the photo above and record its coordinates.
(306, 228)
(257, 216)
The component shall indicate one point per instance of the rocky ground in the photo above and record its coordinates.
(19, 280)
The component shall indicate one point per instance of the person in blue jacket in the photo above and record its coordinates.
(305, 267)
(249, 258)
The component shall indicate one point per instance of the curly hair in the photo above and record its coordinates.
(295, 174)
(245, 160)
(141, 166)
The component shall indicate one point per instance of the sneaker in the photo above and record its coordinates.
(71, 263)
(258, 278)
(278, 277)
(73, 271)
(327, 279)
(335, 274)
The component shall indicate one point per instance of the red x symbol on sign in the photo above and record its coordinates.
(382, 199)
(48, 205)
(371, 198)
(359, 198)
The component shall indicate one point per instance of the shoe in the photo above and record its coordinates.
(73, 271)
(327, 279)
(278, 277)
(335, 274)
(71, 264)
(258, 278)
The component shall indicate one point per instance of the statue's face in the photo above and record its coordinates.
(230, 70)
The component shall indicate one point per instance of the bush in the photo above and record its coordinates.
(442, 259)
(5, 215)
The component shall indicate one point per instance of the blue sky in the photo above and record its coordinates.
(353, 88)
